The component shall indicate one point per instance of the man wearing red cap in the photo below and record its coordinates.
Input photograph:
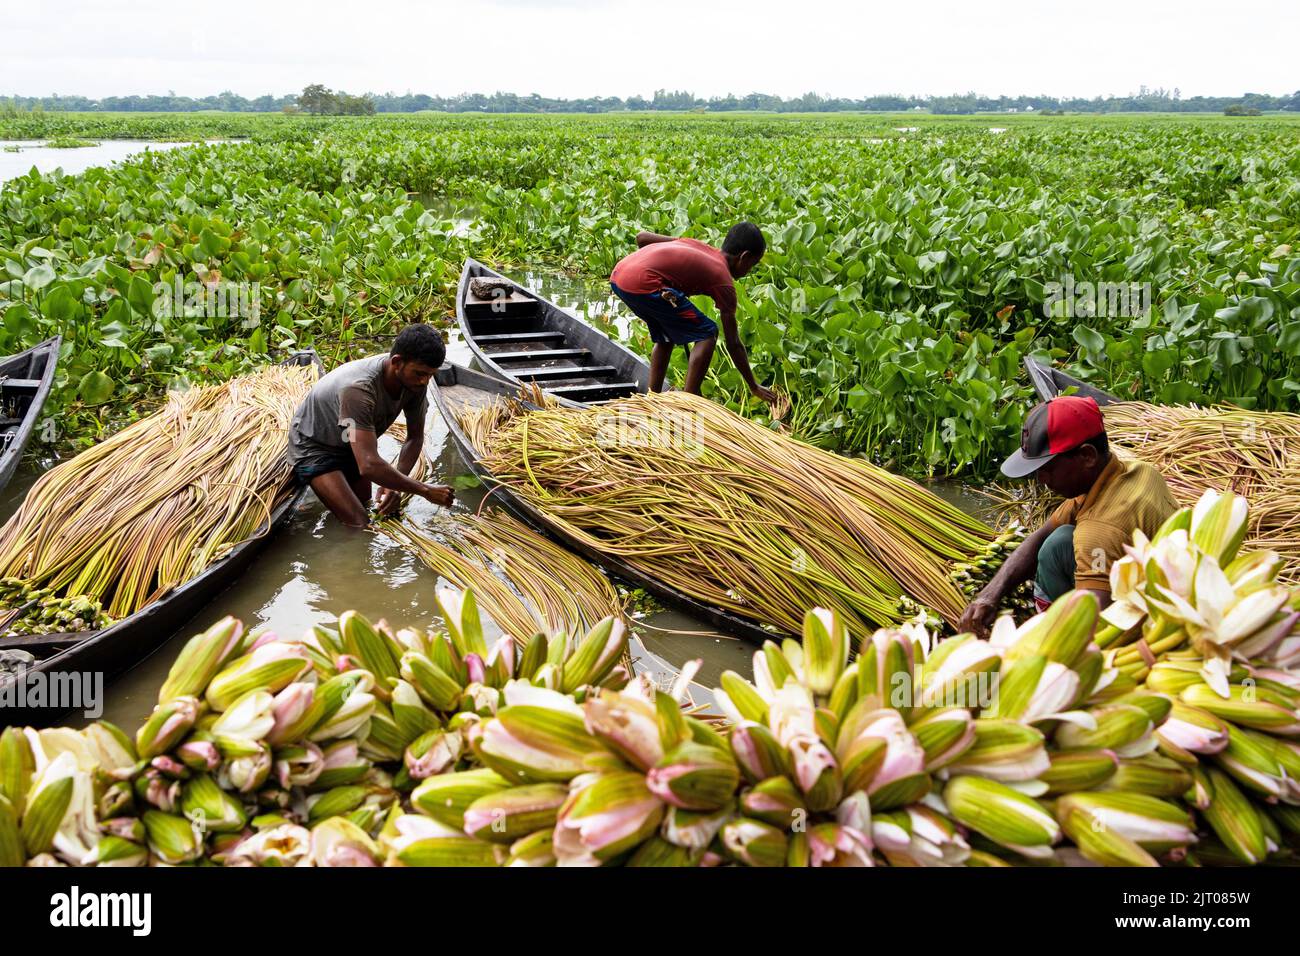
(1063, 444)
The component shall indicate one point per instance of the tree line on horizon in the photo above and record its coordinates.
(319, 100)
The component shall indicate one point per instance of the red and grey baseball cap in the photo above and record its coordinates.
(1052, 428)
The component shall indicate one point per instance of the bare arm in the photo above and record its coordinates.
(389, 500)
(413, 445)
(1018, 568)
(372, 466)
(1103, 596)
(736, 349)
(647, 238)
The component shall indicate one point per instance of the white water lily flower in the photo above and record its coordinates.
(249, 718)
(1176, 560)
(524, 693)
(1004, 632)
(48, 744)
(1057, 688)
(77, 838)
(791, 714)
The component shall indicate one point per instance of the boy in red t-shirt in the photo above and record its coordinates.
(656, 282)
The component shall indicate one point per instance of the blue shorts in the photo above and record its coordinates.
(678, 324)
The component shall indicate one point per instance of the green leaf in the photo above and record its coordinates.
(1090, 339)
(38, 277)
(96, 388)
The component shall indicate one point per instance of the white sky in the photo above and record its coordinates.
(574, 48)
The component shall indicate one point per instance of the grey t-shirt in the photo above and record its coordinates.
(349, 398)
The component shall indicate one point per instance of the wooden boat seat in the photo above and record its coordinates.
(20, 384)
(541, 354)
(563, 371)
(520, 338)
(512, 306)
(595, 392)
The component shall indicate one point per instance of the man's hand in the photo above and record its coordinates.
(763, 392)
(388, 502)
(978, 616)
(439, 495)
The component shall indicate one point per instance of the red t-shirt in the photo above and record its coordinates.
(687, 265)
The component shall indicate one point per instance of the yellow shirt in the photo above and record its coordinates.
(1126, 496)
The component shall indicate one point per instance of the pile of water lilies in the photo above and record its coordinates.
(368, 746)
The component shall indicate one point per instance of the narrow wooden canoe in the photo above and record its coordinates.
(25, 380)
(1049, 382)
(118, 648)
(520, 336)
(456, 387)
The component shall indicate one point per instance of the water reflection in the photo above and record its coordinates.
(17, 157)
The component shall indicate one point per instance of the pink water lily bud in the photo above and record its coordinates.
(475, 668)
(263, 638)
(1192, 730)
(613, 812)
(627, 724)
(170, 767)
(289, 710)
(157, 790)
(832, 844)
(299, 766)
(338, 841)
(201, 756)
(247, 773)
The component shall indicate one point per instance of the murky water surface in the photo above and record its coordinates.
(17, 157)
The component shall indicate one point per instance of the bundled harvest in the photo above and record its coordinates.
(735, 514)
(123, 523)
(1254, 454)
(1189, 587)
(42, 612)
(524, 582)
(269, 752)
(368, 747)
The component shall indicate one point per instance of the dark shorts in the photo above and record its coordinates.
(307, 469)
(678, 324)
(1056, 564)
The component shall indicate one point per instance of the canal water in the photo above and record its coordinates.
(17, 157)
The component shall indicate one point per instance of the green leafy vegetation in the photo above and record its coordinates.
(910, 270)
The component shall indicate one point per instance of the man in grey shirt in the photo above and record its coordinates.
(333, 440)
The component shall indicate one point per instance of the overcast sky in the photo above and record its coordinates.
(573, 48)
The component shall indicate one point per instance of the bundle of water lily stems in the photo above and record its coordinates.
(157, 503)
(732, 513)
(524, 582)
(1255, 454)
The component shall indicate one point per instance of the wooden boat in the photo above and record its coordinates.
(456, 387)
(117, 648)
(1049, 382)
(25, 380)
(518, 335)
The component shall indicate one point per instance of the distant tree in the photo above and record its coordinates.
(345, 105)
(317, 99)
